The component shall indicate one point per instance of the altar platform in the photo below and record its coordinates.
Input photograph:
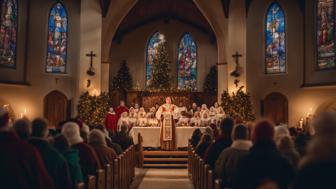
(151, 135)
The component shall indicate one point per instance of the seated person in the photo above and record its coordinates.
(212, 115)
(183, 120)
(132, 117)
(204, 108)
(123, 138)
(142, 119)
(203, 145)
(193, 109)
(205, 120)
(196, 120)
(151, 119)
(123, 120)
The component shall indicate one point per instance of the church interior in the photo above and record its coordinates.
(199, 94)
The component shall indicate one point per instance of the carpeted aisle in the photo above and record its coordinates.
(162, 179)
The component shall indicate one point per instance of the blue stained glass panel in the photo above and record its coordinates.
(325, 33)
(151, 53)
(275, 40)
(187, 63)
(57, 39)
(8, 32)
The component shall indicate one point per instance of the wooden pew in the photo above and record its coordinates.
(100, 179)
(218, 184)
(80, 185)
(116, 176)
(109, 176)
(210, 179)
(205, 176)
(91, 182)
(141, 156)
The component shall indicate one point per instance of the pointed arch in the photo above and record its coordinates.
(57, 39)
(325, 34)
(151, 51)
(8, 32)
(275, 38)
(187, 63)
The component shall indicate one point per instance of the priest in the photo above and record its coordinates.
(167, 115)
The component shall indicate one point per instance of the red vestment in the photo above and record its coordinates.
(111, 121)
(120, 110)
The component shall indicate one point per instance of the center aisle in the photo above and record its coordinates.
(162, 179)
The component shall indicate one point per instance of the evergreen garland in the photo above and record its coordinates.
(210, 84)
(123, 82)
(92, 109)
(161, 69)
(238, 105)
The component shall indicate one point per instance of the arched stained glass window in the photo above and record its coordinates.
(325, 33)
(151, 53)
(187, 63)
(8, 32)
(275, 53)
(57, 39)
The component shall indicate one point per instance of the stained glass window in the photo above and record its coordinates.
(275, 40)
(151, 52)
(325, 33)
(57, 39)
(8, 32)
(187, 63)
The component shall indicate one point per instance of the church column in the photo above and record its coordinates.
(90, 40)
(236, 42)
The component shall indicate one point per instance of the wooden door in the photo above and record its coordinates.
(56, 108)
(276, 108)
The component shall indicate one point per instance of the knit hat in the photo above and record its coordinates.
(263, 132)
(71, 132)
(4, 117)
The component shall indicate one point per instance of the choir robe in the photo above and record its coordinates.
(21, 165)
(167, 114)
(111, 121)
(120, 110)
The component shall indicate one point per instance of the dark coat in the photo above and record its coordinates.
(55, 163)
(123, 139)
(21, 165)
(72, 157)
(263, 163)
(214, 150)
(88, 159)
(201, 148)
(105, 154)
(116, 147)
(316, 175)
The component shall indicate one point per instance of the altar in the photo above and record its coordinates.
(151, 135)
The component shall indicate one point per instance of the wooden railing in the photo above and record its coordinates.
(118, 175)
(200, 174)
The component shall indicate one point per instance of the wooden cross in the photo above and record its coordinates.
(91, 55)
(236, 56)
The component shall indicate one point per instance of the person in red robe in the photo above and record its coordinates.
(111, 121)
(121, 109)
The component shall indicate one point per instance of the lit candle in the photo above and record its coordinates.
(301, 123)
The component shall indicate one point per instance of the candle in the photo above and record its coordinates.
(301, 123)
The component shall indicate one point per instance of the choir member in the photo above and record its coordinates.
(111, 121)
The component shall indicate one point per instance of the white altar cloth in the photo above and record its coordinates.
(151, 135)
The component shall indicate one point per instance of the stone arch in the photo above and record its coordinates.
(56, 107)
(327, 106)
(275, 106)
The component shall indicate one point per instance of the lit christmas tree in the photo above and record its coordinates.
(161, 69)
(123, 82)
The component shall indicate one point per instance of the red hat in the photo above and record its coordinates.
(263, 132)
(4, 117)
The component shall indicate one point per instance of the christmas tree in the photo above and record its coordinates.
(161, 69)
(92, 109)
(211, 80)
(238, 105)
(123, 82)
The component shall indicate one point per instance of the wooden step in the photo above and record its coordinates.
(165, 153)
(146, 165)
(165, 159)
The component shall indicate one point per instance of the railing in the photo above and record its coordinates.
(199, 172)
(118, 175)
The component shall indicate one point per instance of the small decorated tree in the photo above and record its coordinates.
(161, 69)
(210, 85)
(123, 82)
